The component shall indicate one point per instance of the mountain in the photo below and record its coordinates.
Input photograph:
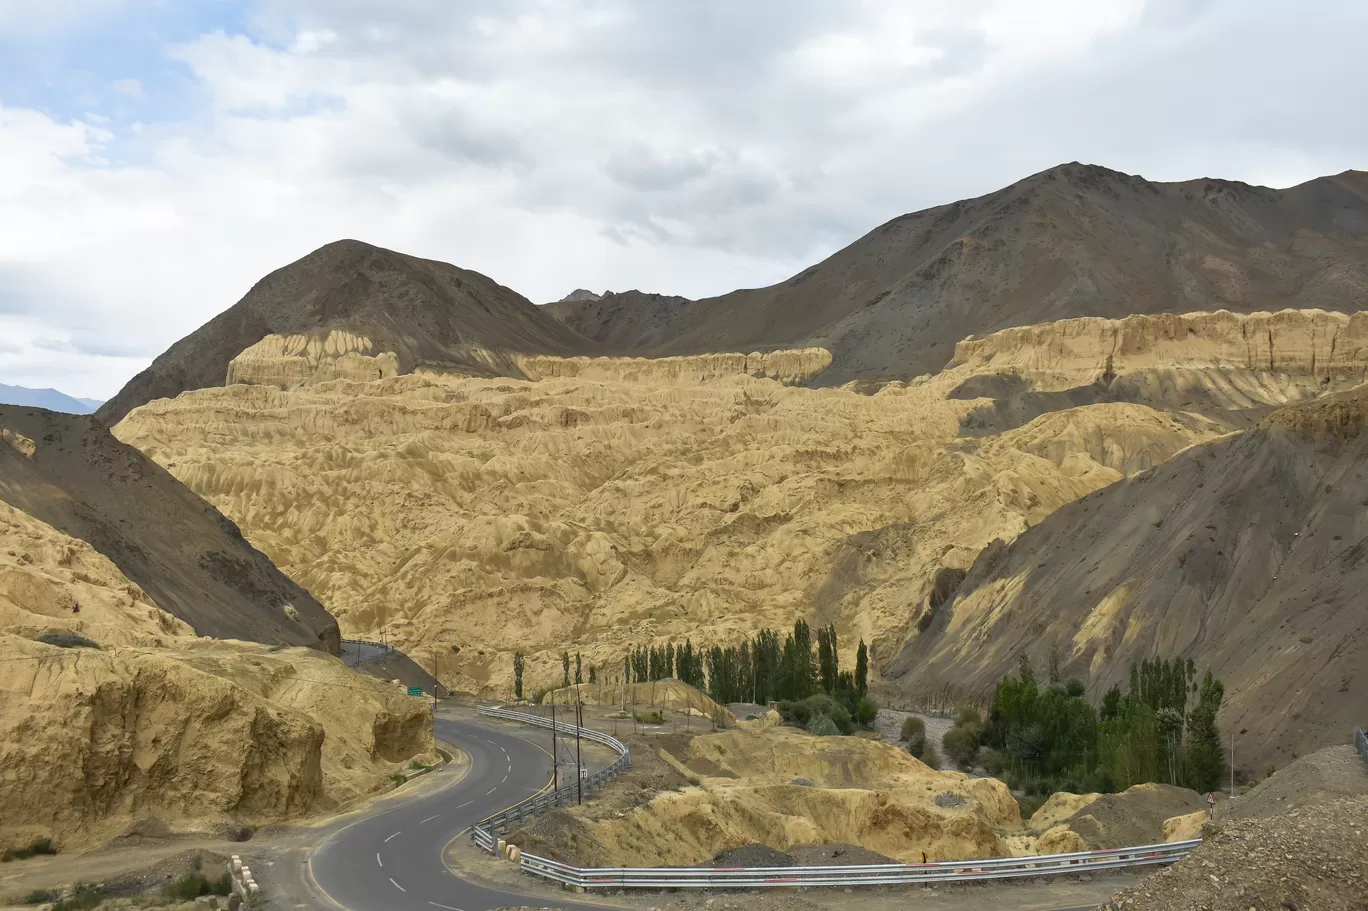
(70, 473)
(50, 399)
(1076, 240)
(352, 310)
(1248, 554)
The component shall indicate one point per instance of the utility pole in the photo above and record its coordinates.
(579, 762)
(555, 754)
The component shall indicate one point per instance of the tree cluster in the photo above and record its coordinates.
(1162, 729)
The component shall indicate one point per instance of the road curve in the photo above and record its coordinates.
(392, 861)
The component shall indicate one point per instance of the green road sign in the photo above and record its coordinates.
(415, 691)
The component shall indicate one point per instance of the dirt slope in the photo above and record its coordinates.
(383, 312)
(70, 473)
(1249, 554)
(1076, 240)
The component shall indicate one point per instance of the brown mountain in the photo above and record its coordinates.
(1248, 554)
(1076, 240)
(353, 310)
(69, 472)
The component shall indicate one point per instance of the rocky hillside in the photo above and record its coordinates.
(1248, 554)
(353, 310)
(623, 502)
(1076, 240)
(183, 556)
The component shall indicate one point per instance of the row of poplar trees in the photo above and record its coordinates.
(760, 670)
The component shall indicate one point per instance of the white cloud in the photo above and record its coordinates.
(130, 87)
(684, 148)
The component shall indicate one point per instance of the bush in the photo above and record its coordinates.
(398, 778)
(930, 756)
(994, 762)
(911, 726)
(801, 712)
(653, 717)
(1029, 804)
(866, 710)
(40, 897)
(962, 744)
(192, 885)
(68, 640)
(32, 849)
(82, 899)
(822, 726)
(968, 715)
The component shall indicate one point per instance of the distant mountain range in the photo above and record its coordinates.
(50, 399)
(1076, 240)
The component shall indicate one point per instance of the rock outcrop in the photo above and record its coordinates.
(192, 736)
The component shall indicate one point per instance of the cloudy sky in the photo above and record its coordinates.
(158, 156)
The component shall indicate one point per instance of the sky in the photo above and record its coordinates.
(157, 157)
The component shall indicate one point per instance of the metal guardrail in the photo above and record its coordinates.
(1361, 743)
(863, 875)
(483, 832)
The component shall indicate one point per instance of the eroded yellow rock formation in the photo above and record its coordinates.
(157, 723)
(797, 789)
(629, 504)
(291, 361)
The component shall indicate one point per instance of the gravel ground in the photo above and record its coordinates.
(1321, 777)
(1303, 860)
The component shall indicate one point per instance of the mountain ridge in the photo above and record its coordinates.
(1074, 240)
(48, 398)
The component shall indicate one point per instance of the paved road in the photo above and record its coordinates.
(392, 861)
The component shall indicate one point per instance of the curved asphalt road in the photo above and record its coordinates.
(392, 861)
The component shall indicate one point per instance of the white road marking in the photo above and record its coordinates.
(505, 778)
(378, 860)
(397, 886)
(395, 835)
(448, 907)
(466, 804)
(491, 790)
(429, 819)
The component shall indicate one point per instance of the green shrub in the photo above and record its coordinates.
(822, 726)
(961, 744)
(994, 762)
(192, 885)
(32, 849)
(930, 756)
(83, 898)
(416, 766)
(916, 744)
(1029, 804)
(653, 717)
(398, 778)
(911, 726)
(40, 897)
(866, 710)
(968, 715)
(68, 640)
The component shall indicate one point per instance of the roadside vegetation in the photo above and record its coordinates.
(1047, 738)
